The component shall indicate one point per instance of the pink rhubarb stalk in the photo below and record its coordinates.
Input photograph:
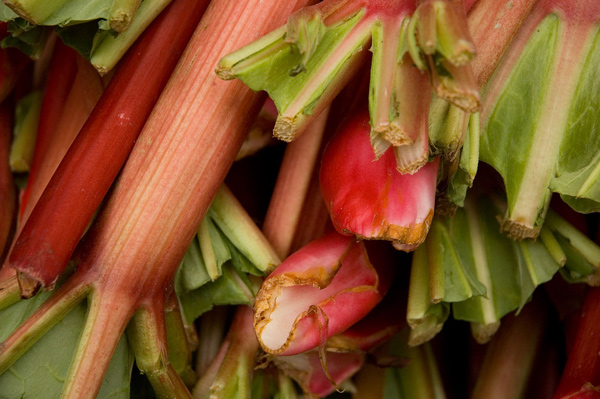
(128, 259)
(88, 169)
(317, 292)
(293, 182)
(371, 199)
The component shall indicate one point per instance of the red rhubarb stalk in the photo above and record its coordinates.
(128, 259)
(82, 97)
(61, 74)
(583, 363)
(84, 176)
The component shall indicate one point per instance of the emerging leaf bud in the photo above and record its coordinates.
(370, 199)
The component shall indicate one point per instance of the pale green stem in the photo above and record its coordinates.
(180, 346)
(315, 94)
(586, 247)
(548, 135)
(25, 131)
(147, 336)
(240, 229)
(121, 14)
(553, 246)
(9, 292)
(111, 48)
(206, 249)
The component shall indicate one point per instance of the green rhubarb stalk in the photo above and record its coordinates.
(109, 49)
(242, 232)
(420, 378)
(215, 269)
(9, 292)
(457, 176)
(27, 115)
(424, 317)
(230, 373)
(538, 127)
(147, 335)
(182, 340)
(121, 14)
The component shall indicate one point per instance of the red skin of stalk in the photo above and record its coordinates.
(179, 161)
(8, 195)
(346, 293)
(370, 198)
(87, 171)
(583, 363)
(60, 78)
(374, 329)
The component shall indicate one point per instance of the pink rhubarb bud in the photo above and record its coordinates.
(370, 198)
(319, 291)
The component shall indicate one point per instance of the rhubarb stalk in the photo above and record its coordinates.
(583, 364)
(105, 140)
(61, 73)
(130, 255)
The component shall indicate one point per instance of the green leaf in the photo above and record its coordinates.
(542, 131)
(507, 141)
(578, 169)
(41, 371)
(229, 289)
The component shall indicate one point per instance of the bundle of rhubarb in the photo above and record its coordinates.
(151, 225)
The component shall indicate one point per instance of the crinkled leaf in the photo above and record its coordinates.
(81, 37)
(73, 11)
(503, 273)
(28, 38)
(41, 371)
(513, 269)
